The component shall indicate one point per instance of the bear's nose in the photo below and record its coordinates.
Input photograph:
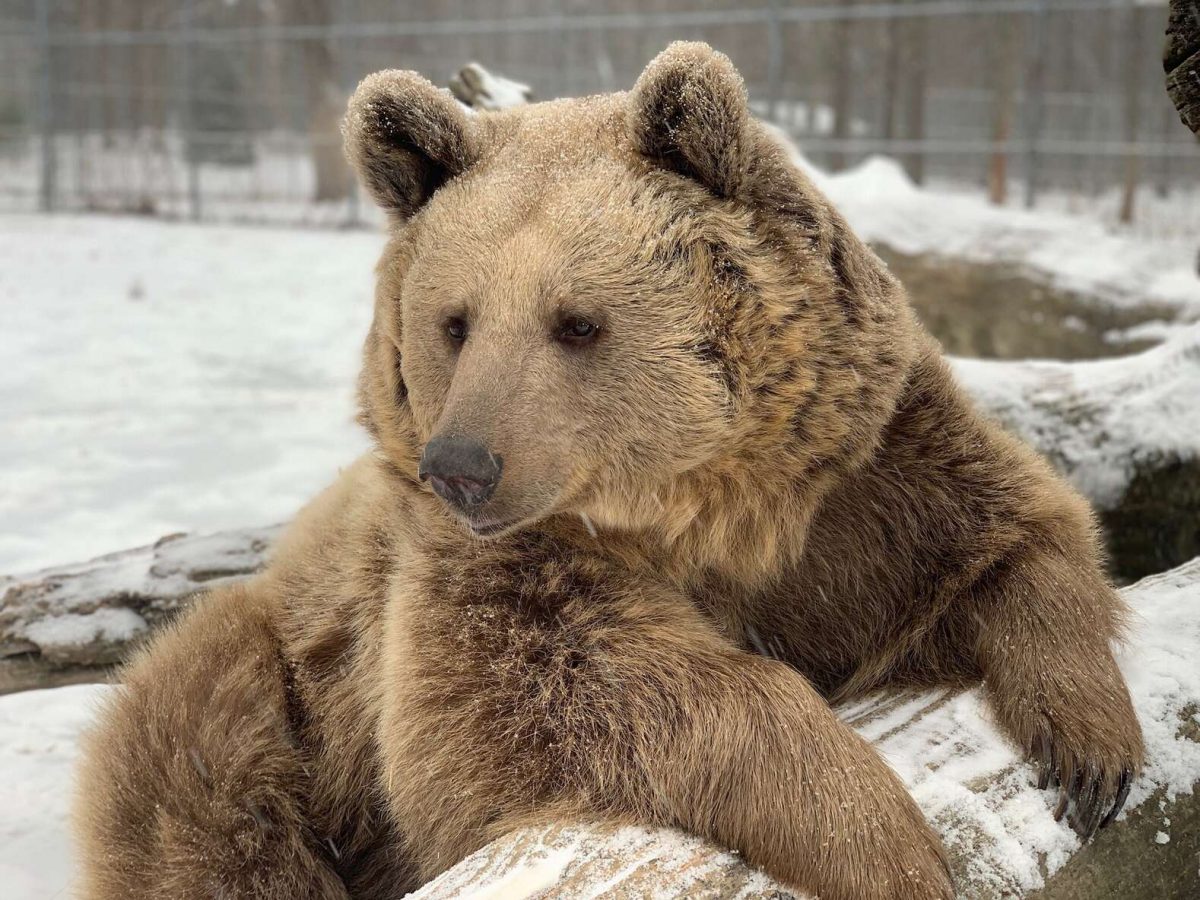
(461, 470)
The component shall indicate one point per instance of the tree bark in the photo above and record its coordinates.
(1007, 60)
(325, 102)
(1131, 84)
(916, 65)
(891, 79)
(1181, 61)
(841, 93)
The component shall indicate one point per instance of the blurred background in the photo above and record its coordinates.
(227, 110)
(186, 276)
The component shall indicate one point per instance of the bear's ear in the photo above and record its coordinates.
(688, 112)
(406, 138)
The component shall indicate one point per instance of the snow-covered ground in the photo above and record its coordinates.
(161, 378)
(39, 738)
(1080, 252)
(165, 377)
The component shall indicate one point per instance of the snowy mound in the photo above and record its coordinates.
(1099, 422)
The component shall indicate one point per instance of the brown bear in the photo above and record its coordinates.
(643, 408)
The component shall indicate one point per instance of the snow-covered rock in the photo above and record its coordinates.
(1125, 431)
(975, 788)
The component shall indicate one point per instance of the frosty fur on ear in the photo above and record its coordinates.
(688, 112)
(406, 138)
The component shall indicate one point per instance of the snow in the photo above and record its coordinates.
(78, 629)
(1078, 252)
(39, 733)
(162, 378)
(1100, 420)
(965, 776)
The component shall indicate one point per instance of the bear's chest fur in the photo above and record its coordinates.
(493, 696)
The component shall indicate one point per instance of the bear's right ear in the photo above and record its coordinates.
(688, 112)
(406, 138)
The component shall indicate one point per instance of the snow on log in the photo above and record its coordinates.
(998, 828)
(89, 614)
(1125, 431)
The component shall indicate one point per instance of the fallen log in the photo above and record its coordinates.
(997, 826)
(59, 625)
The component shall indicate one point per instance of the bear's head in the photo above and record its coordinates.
(630, 309)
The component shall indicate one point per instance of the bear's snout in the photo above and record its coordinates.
(461, 470)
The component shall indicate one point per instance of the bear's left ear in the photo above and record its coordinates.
(406, 138)
(688, 112)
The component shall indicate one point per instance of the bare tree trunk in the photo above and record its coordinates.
(1007, 52)
(324, 102)
(840, 99)
(1131, 64)
(916, 63)
(891, 79)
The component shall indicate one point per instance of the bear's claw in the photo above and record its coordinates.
(1085, 791)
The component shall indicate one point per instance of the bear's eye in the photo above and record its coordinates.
(574, 330)
(456, 329)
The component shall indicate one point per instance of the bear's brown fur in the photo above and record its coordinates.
(753, 488)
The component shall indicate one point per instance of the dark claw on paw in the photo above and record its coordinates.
(1044, 759)
(1061, 808)
(1122, 794)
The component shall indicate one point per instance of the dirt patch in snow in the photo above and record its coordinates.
(999, 310)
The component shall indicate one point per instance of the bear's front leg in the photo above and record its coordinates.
(191, 784)
(744, 751)
(560, 691)
(1044, 647)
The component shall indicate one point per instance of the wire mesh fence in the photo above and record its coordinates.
(229, 109)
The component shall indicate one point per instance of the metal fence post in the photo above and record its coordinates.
(774, 62)
(341, 55)
(191, 152)
(1033, 107)
(48, 174)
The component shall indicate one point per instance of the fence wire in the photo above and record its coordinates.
(228, 109)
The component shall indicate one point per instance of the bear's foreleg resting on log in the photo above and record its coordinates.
(192, 783)
(744, 751)
(562, 693)
(1046, 623)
